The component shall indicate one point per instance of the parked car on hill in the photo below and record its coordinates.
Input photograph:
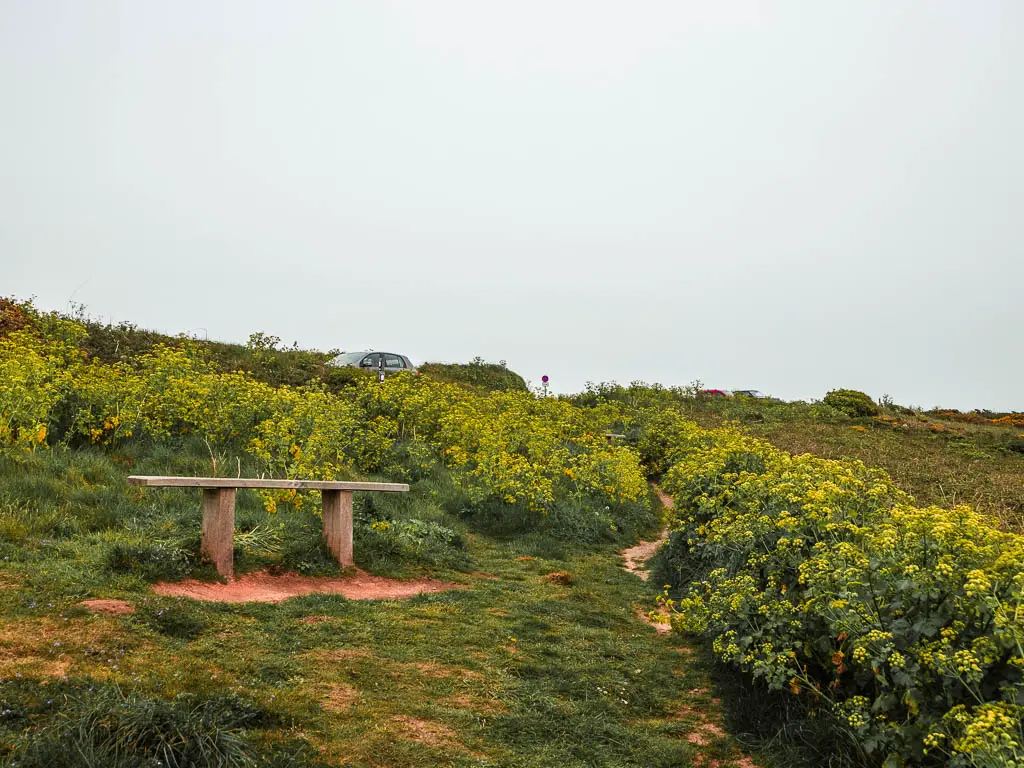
(716, 392)
(751, 393)
(371, 360)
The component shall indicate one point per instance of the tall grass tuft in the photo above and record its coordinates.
(106, 727)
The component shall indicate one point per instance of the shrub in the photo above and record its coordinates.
(14, 315)
(502, 447)
(478, 373)
(820, 577)
(852, 403)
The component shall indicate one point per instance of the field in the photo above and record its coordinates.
(545, 654)
(940, 457)
(519, 668)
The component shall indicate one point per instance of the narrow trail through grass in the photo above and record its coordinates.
(636, 557)
(635, 561)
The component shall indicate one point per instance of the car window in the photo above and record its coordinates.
(348, 358)
(370, 361)
(393, 361)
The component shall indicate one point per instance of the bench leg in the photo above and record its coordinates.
(219, 529)
(338, 525)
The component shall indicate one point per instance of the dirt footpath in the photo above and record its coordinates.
(636, 557)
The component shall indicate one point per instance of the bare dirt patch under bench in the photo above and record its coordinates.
(265, 588)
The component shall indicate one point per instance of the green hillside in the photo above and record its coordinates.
(824, 610)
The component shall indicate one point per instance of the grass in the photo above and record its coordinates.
(101, 725)
(939, 457)
(540, 661)
(955, 464)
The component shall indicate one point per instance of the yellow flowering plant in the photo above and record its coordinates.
(821, 578)
(509, 449)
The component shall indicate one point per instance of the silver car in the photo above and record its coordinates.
(370, 360)
(751, 393)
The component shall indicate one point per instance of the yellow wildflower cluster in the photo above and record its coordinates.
(820, 576)
(505, 447)
(34, 377)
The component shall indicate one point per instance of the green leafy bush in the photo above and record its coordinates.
(504, 446)
(820, 577)
(852, 403)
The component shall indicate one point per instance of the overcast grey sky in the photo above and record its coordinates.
(789, 196)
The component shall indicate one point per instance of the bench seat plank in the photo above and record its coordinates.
(254, 482)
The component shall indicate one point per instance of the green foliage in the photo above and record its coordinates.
(477, 373)
(153, 560)
(820, 577)
(262, 357)
(514, 667)
(851, 402)
(399, 543)
(817, 577)
(504, 446)
(34, 377)
(638, 394)
(688, 402)
(102, 726)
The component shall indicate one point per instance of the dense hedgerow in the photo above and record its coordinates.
(820, 577)
(509, 448)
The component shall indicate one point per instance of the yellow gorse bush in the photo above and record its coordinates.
(821, 578)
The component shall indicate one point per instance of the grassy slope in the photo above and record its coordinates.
(937, 460)
(945, 468)
(515, 670)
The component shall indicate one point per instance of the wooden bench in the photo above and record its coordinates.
(219, 511)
